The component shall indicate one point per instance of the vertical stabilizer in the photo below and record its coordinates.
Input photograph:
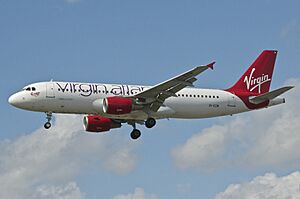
(257, 79)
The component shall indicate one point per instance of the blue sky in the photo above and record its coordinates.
(145, 42)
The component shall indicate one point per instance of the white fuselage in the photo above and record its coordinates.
(86, 98)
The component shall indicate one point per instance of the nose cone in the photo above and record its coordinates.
(17, 100)
(22, 100)
(13, 100)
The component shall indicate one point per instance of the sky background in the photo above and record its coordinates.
(146, 42)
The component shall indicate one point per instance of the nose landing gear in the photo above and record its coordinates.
(47, 125)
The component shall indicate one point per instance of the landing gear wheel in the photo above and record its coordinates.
(135, 134)
(150, 122)
(47, 125)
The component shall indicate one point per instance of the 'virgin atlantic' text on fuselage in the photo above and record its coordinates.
(87, 90)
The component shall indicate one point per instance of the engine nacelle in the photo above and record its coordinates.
(93, 123)
(117, 105)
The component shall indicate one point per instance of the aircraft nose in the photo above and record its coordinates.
(12, 99)
(15, 100)
(18, 100)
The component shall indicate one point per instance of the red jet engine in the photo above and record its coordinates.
(93, 123)
(117, 105)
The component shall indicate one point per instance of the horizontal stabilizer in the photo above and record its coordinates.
(269, 95)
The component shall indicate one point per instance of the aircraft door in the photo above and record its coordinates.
(50, 90)
(231, 101)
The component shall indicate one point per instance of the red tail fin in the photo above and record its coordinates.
(257, 79)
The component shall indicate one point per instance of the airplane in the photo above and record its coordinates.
(108, 106)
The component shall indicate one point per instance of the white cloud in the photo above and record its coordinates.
(55, 157)
(205, 149)
(265, 138)
(121, 161)
(138, 193)
(263, 187)
(69, 191)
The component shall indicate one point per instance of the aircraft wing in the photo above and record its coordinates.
(169, 88)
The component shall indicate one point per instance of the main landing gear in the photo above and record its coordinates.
(47, 125)
(150, 122)
(135, 133)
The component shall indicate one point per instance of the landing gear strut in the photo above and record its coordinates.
(47, 125)
(150, 122)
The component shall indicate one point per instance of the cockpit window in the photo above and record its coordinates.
(29, 89)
